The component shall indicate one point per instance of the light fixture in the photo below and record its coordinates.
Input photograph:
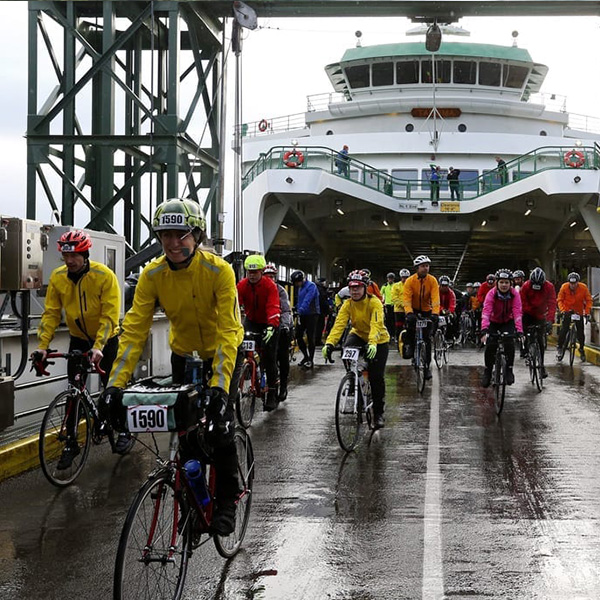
(289, 180)
(576, 179)
(338, 206)
(284, 226)
(294, 142)
(587, 229)
(385, 223)
(573, 224)
(340, 211)
(527, 212)
(483, 223)
(578, 143)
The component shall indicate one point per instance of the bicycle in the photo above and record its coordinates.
(168, 519)
(71, 420)
(570, 342)
(534, 355)
(440, 344)
(354, 401)
(420, 351)
(466, 327)
(500, 368)
(252, 380)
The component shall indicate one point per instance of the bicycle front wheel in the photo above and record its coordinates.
(420, 366)
(65, 432)
(348, 412)
(572, 344)
(245, 401)
(228, 546)
(500, 383)
(438, 348)
(155, 544)
(539, 380)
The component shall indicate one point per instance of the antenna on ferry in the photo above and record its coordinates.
(515, 35)
(358, 35)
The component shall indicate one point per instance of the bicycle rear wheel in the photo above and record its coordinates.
(500, 383)
(228, 546)
(155, 544)
(438, 348)
(539, 368)
(66, 423)
(348, 412)
(572, 344)
(532, 362)
(245, 401)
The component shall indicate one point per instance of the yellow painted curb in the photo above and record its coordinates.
(19, 457)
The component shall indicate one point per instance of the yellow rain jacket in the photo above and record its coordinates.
(92, 305)
(366, 317)
(398, 296)
(201, 304)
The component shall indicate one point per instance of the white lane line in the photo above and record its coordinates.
(433, 572)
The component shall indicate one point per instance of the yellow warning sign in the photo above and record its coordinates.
(449, 206)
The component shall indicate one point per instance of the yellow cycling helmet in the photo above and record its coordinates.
(255, 262)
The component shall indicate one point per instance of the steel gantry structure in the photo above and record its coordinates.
(135, 114)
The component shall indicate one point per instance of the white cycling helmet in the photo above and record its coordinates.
(404, 273)
(420, 260)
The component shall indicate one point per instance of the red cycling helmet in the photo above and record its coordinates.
(74, 241)
(270, 269)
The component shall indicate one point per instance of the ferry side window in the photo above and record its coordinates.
(465, 71)
(468, 179)
(409, 180)
(514, 76)
(358, 77)
(442, 71)
(407, 72)
(383, 74)
(489, 73)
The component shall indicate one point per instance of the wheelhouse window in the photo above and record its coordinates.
(407, 72)
(464, 71)
(514, 76)
(442, 71)
(382, 74)
(489, 73)
(358, 77)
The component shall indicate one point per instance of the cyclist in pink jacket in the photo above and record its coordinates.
(502, 312)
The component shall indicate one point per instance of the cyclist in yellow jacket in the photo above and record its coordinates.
(365, 313)
(197, 291)
(421, 297)
(90, 296)
(388, 302)
(398, 300)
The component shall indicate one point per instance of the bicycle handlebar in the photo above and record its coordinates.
(40, 365)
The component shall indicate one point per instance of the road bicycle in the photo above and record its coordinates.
(170, 517)
(570, 343)
(354, 401)
(440, 344)
(252, 380)
(466, 328)
(419, 359)
(72, 420)
(534, 355)
(500, 368)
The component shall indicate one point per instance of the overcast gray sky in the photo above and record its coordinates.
(283, 62)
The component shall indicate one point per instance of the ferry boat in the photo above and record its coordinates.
(403, 113)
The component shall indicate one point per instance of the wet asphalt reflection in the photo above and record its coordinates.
(448, 501)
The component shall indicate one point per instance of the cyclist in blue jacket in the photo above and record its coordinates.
(307, 305)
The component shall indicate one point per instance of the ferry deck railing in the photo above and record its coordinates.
(326, 159)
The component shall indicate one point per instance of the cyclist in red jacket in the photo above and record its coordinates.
(448, 306)
(260, 298)
(485, 287)
(538, 298)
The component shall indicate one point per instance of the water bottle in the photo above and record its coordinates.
(263, 382)
(193, 369)
(195, 477)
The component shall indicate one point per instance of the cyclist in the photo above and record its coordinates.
(573, 297)
(538, 298)
(398, 299)
(485, 287)
(476, 308)
(324, 308)
(286, 323)
(342, 295)
(196, 289)
(388, 303)
(422, 296)
(518, 279)
(365, 314)
(90, 296)
(501, 314)
(448, 306)
(373, 288)
(307, 306)
(259, 297)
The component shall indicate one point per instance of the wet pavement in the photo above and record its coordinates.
(448, 501)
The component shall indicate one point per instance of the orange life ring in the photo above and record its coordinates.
(262, 126)
(574, 159)
(298, 158)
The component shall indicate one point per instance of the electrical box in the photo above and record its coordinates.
(7, 402)
(21, 260)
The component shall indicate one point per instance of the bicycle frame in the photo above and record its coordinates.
(354, 364)
(257, 387)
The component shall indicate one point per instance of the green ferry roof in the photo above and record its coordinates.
(446, 49)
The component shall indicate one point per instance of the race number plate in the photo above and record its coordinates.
(575, 317)
(421, 323)
(147, 419)
(350, 354)
(248, 345)
(442, 321)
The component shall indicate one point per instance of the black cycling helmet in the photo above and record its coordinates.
(574, 277)
(537, 278)
(444, 280)
(490, 277)
(297, 276)
(503, 274)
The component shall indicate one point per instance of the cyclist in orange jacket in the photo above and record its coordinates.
(573, 298)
